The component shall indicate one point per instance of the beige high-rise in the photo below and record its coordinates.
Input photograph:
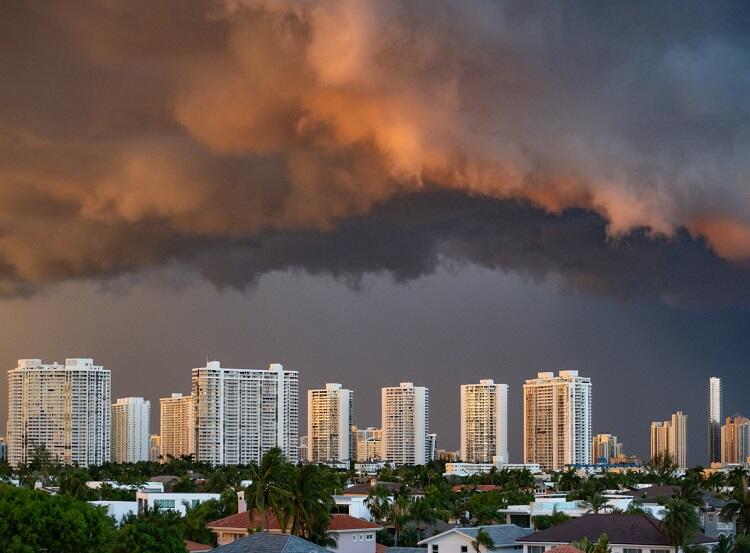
(63, 408)
(329, 421)
(484, 422)
(405, 413)
(177, 426)
(735, 441)
(671, 437)
(605, 447)
(557, 420)
(369, 443)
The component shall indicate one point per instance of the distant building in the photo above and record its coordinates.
(177, 502)
(63, 408)
(470, 469)
(329, 421)
(154, 448)
(368, 443)
(3, 450)
(484, 422)
(240, 414)
(605, 448)
(431, 447)
(405, 423)
(670, 437)
(735, 440)
(715, 418)
(448, 456)
(557, 420)
(303, 449)
(177, 426)
(130, 430)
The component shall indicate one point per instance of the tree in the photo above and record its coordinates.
(568, 481)
(600, 546)
(377, 502)
(309, 503)
(661, 468)
(483, 539)
(269, 488)
(690, 491)
(741, 544)
(153, 531)
(542, 522)
(596, 502)
(724, 545)
(681, 523)
(738, 506)
(714, 482)
(32, 521)
(398, 515)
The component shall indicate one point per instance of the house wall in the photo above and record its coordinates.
(453, 543)
(360, 541)
(616, 548)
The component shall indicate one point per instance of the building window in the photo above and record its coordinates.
(464, 549)
(434, 549)
(536, 549)
(660, 551)
(164, 503)
(626, 550)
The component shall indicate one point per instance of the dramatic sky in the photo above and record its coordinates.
(383, 190)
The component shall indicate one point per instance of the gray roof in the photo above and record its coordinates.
(501, 534)
(263, 542)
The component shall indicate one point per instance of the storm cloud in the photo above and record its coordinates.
(604, 146)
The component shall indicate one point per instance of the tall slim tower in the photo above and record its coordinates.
(671, 437)
(130, 430)
(405, 421)
(715, 419)
(557, 420)
(329, 421)
(64, 408)
(242, 413)
(484, 422)
(177, 426)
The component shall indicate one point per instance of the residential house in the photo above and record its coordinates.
(264, 542)
(459, 540)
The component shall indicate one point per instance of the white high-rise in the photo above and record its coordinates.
(557, 420)
(329, 421)
(130, 430)
(715, 419)
(177, 426)
(63, 408)
(671, 437)
(405, 420)
(240, 414)
(484, 422)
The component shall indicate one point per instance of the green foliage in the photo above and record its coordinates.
(152, 531)
(542, 522)
(483, 539)
(738, 506)
(741, 544)
(661, 469)
(681, 523)
(32, 521)
(599, 546)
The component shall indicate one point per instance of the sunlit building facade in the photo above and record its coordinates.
(735, 441)
(329, 421)
(715, 420)
(177, 426)
(606, 449)
(557, 420)
(670, 437)
(484, 422)
(130, 430)
(405, 422)
(240, 414)
(369, 443)
(63, 408)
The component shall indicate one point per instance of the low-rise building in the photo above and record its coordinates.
(263, 542)
(118, 510)
(459, 540)
(178, 502)
(626, 533)
(546, 504)
(470, 469)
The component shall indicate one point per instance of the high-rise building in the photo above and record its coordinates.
(302, 449)
(130, 430)
(63, 408)
(405, 421)
(240, 414)
(431, 447)
(3, 450)
(369, 443)
(670, 437)
(557, 420)
(177, 426)
(735, 440)
(605, 448)
(154, 448)
(484, 422)
(715, 419)
(329, 421)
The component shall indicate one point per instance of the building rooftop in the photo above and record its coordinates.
(620, 529)
(501, 534)
(195, 547)
(339, 523)
(263, 542)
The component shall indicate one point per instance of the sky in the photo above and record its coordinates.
(371, 192)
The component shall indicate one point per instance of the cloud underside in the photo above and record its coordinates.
(605, 147)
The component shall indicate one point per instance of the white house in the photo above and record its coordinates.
(459, 540)
(118, 510)
(545, 504)
(173, 501)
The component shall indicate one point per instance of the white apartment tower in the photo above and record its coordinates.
(671, 437)
(329, 421)
(557, 420)
(63, 408)
(484, 422)
(242, 413)
(715, 419)
(130, 430)
(405, 413)
(177, 426)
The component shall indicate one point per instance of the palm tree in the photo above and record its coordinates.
(378, 502)
(483, 539)
(738, 506)
(690, 491)
(595, 503)
(661, 468)
(681, 523)
(600, 546)
(568, 481)
(724, 545)
(269, 488)
(309, 502)
(398, 515)
(714, 481)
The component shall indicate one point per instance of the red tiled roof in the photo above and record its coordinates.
(194, 546)
(380, 548)
(564, 549)
(339, 522)
(620, 529)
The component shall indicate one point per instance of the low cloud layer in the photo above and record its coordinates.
(606, 146)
